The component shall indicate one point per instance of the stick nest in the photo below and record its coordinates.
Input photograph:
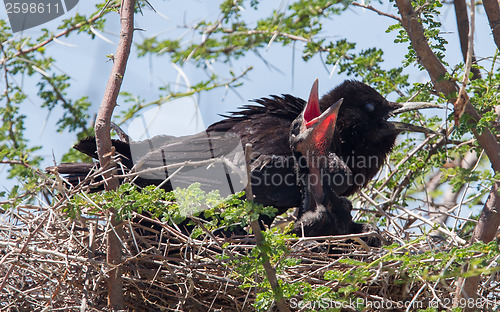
(49, 261)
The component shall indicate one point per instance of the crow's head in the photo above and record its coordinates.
(364, 136)
(311, 133)
(364, 115)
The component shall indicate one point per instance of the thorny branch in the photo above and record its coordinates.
(270, 271)
(492, 9)
(486, 139)
(105, 150)
(371, 8)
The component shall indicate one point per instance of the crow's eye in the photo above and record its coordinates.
(369, 107)
(295, 128)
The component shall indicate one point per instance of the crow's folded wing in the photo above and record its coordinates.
(214, 159)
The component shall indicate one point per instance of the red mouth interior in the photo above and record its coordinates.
(311, 113)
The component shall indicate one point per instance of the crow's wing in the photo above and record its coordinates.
(266, 124)
(214, 159)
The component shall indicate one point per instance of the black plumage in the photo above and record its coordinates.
(362, 139)
(322, 211)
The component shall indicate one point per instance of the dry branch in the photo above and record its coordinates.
(463, 33)
(259, 237)
(449, 89)
(492, 9)
(105, 151)
(166, 269)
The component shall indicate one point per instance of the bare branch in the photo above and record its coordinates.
(268, 268)
(469, 161)
(463, 33)
(23, 249)
(462, 96)
(493, 12)
(441, 228)
(371, 8)
(437, 73)
(105, 151)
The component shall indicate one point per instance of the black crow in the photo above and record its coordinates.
(362, 139)
(322, 211)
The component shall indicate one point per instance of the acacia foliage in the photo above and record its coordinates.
(418, 175)
(233, 35)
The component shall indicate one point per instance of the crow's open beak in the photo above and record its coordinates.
(318, 127)
(406, 127)
(411, 106)
(316, 132)
(312, 110)
(323, 126)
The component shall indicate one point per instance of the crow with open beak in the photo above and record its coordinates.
(361, 139)
(322, 211)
